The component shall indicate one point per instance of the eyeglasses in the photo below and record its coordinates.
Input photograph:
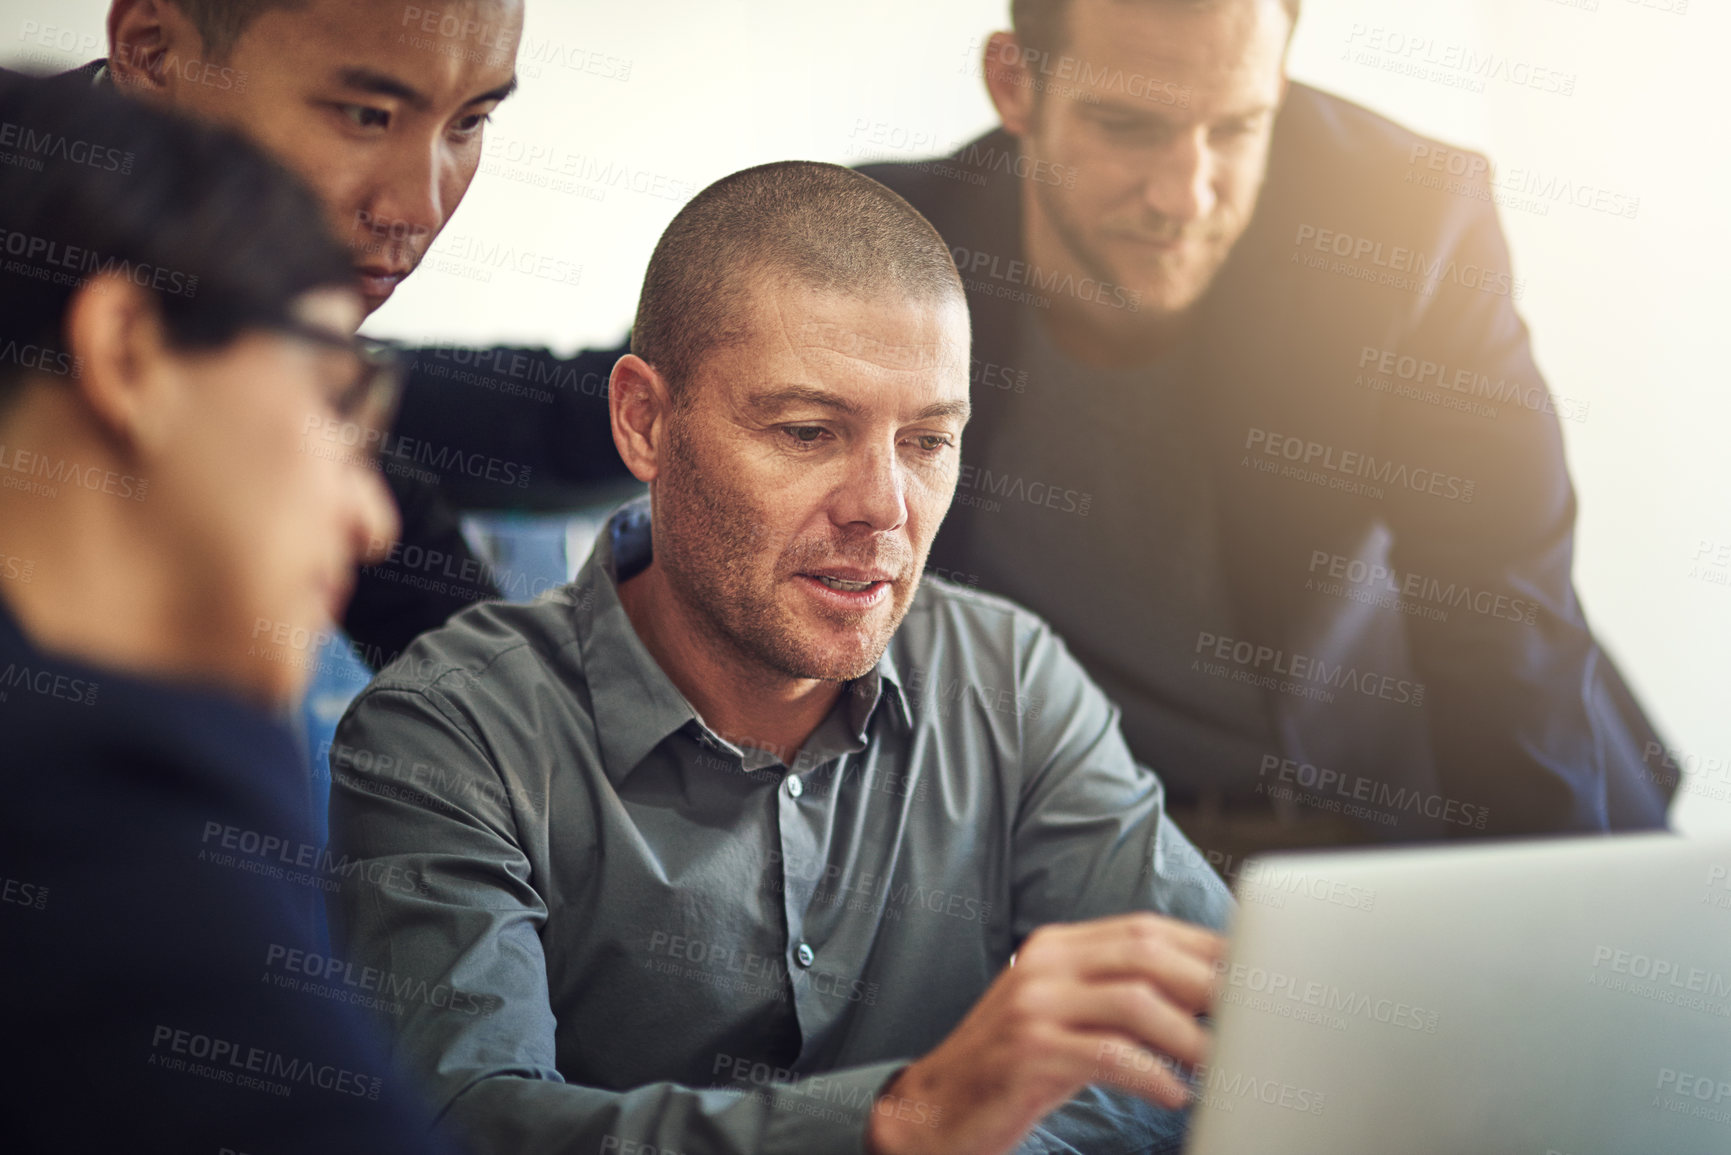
(375, 393)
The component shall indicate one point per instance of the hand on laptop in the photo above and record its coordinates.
(1080, 997)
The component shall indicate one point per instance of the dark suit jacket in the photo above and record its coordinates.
(1531, 721)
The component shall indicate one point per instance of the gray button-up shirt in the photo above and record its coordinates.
(654, 936)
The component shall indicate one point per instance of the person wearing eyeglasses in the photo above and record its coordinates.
(387, 130)
(175, 334)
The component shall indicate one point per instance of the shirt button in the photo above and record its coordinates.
(805, 954)
(794, 786)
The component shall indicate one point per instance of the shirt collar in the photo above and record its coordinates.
(635, 705)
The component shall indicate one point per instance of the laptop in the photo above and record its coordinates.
(1559, 997)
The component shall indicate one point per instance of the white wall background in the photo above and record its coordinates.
(1628, 315)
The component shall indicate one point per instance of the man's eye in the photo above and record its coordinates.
(932, 442)
(366, 116)
(1127, 128)
(805, 434)
(470, 125)
(1236, 131)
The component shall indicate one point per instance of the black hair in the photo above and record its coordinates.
(220, 23)
(93, 183)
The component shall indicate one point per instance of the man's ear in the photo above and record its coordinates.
(1010, 83)
(142, 36)
(113, 329)
(640, 402)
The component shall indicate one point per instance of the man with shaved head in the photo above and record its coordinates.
(742, 829)
(1259, 430)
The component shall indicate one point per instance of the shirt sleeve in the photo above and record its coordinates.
(1092, 839)
(415, 801)
(1514, 672)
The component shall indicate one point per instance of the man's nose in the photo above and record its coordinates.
(407, 206)
(1180, 185)
(874, 493)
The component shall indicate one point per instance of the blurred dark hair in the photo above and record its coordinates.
(818, 224)
(91, 182)
(1042, 25)
(221, 22)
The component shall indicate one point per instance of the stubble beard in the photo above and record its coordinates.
(707, 541)
(1219, 236)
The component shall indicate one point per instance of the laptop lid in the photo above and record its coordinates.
(1557, 997)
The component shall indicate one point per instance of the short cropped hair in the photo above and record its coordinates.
(1043, 25)
(223, 237)
(222, 22)
(817, 224)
